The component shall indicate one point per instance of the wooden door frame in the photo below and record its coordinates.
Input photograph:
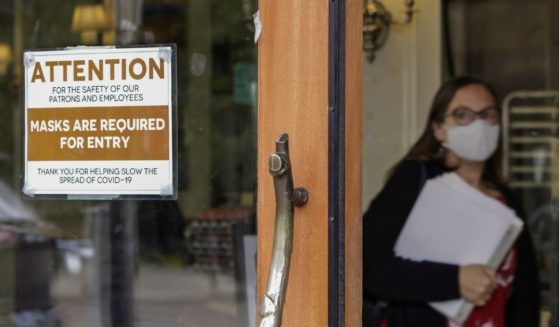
(344, 162)
(299, 38)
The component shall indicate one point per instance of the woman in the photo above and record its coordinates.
(462, 135)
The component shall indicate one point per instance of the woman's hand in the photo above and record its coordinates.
(477, 283)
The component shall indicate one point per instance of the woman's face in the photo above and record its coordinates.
(471, 102)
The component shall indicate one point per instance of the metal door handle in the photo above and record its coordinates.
(286, 198)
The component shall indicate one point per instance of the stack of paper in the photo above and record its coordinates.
(453, 222)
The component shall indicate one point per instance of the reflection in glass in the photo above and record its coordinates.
(530, 124)
(189, 262)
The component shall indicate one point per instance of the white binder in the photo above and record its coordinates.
(453, 222)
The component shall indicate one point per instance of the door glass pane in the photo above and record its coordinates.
(189, 262)
(461, 37)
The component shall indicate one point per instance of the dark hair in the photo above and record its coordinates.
(428, 148)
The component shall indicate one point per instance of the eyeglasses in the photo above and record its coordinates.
(465, 115)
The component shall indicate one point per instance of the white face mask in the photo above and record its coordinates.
(474, 142)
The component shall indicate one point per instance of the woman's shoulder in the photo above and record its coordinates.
(415, 167)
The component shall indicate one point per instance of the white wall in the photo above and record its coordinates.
(398, 88)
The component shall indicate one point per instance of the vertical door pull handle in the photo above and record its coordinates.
(286, 199)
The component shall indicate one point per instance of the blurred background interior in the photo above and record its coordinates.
(191, 262)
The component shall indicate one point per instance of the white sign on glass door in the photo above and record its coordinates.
(99, 122)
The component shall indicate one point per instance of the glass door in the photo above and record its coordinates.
(203, 259)
(189, 262)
